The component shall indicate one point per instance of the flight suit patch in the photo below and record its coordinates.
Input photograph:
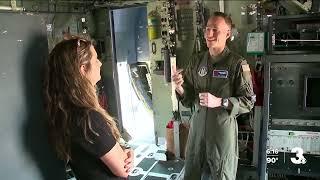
(246, 74)
(203, 71)
(246, 71)
(220, 73)
(245, 68)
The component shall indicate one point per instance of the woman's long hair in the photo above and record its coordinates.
(70, 96)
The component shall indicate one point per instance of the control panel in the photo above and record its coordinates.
(286, 141)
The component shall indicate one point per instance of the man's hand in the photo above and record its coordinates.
(177, 79)
(129, 160)
(209, 100)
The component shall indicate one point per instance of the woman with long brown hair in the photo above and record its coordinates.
(80, 130)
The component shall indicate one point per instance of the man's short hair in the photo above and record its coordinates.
(226, 18)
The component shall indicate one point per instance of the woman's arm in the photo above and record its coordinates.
(115, 160)
(105, 147)
(130, 159)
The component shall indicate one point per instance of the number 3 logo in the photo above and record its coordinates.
(299, 159)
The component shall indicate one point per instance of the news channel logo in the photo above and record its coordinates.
(299, 159)
(273, 156)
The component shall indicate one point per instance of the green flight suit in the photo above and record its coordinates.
(213, 136)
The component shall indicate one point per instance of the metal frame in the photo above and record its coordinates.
(263, 174)
(115, 71)
(262, 159)
(271, 22)
(114, 59)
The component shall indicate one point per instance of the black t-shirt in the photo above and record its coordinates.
(85, 156)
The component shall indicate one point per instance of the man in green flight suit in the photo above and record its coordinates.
(218, 82)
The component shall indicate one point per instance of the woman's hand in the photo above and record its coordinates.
(129, 161)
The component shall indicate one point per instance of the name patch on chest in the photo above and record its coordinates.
(220, 73)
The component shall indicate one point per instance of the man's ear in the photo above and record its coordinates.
(83, 70)
(228, 34)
